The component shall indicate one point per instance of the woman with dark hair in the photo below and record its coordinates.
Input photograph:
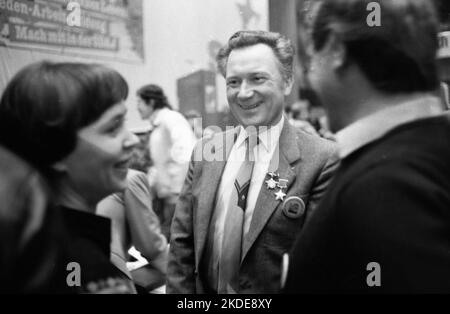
(68, 120)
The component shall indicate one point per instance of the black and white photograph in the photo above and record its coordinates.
(230, 153)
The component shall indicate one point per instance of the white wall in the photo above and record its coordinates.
(179, 33)
(176, 38)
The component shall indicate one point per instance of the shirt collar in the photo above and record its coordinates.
(267, 136)
(374, 126)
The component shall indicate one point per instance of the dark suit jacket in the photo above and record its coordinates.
(388, 203)
(306, 161)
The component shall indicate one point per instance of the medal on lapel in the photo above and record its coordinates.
(275, 182)
(279, 196)
(282, 184)
(272, 183)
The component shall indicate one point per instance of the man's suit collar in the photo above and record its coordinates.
(289, 143)
(209, 185)
(376, 125)
(289, 154)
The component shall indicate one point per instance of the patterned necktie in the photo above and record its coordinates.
(230, 258)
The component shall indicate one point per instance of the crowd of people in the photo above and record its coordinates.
(357, 204)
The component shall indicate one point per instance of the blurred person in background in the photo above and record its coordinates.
(136, 229)
(298, 116)
(134, 223)
(171, 142)
(141, 154)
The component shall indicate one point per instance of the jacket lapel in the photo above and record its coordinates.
(208, 188)
(288, 153)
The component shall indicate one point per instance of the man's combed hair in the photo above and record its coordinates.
(281, 46)
(397, 56)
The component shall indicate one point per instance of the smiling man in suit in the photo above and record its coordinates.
(239, 213)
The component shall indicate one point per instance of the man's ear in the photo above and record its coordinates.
(288, 83)
(337, 52)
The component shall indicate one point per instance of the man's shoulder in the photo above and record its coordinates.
(418, 142)
(318, 142)
(406, 156)
(170, 116)
(312, 143)
(394, 180)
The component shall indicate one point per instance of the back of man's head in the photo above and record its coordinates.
(398, 55)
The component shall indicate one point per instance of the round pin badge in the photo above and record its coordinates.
(294, 207)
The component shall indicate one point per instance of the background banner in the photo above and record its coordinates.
(109, 28)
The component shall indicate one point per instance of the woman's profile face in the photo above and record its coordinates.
(99, 164)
